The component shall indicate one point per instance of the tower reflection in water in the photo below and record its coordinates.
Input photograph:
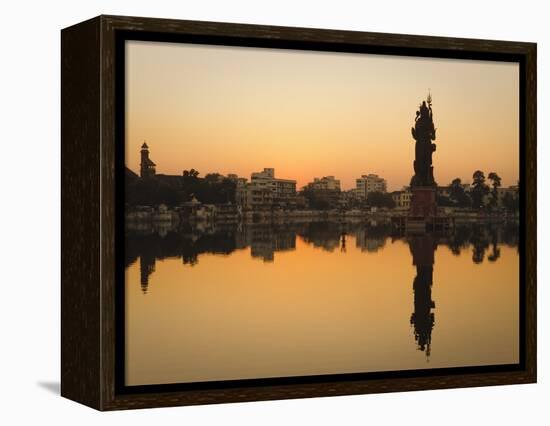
(146, 268)
(264, 241)
(422, 319)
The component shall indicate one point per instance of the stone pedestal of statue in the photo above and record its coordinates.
(423, 203)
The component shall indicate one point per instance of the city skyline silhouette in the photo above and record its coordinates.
(234, 110)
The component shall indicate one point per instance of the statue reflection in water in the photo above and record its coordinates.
(422, 319)
(480, 243)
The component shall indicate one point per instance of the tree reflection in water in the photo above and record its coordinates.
(265, 240)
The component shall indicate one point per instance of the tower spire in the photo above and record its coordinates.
(147, 167)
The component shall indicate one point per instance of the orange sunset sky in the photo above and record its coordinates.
(313, 114)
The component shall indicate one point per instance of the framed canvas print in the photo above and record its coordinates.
(254, 212)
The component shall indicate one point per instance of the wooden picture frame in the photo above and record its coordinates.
(91, 178)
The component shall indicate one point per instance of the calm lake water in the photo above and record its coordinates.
(258, 301)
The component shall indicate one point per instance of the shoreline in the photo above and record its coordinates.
(176, 217)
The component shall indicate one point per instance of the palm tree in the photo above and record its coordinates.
(480, 189)
(495, 179)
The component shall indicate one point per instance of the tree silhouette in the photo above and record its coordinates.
(213, 177)
(380, 199)
(495, 179)
(510, 202)
(457, 193)
(193, 174)
(151, 191)
(480, 189)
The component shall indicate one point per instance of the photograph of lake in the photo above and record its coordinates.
(296, 213)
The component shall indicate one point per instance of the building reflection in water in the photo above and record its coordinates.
(422, 319)
(265, 240)
(343, 242)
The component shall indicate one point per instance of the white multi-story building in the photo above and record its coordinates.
(325, 183)
(241, 192)
(265, 190)
(402, 199)
(369, 183)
